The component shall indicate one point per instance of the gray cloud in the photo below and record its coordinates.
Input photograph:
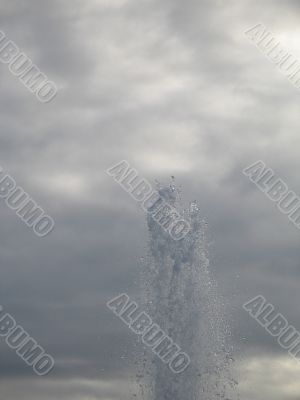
(176, 89)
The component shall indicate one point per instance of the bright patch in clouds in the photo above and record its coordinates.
(67, 184)
(275, 378)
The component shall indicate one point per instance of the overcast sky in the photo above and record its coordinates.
(175, 88)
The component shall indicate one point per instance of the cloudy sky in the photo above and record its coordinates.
(177, 89)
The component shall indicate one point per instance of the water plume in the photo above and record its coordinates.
(182, 298)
